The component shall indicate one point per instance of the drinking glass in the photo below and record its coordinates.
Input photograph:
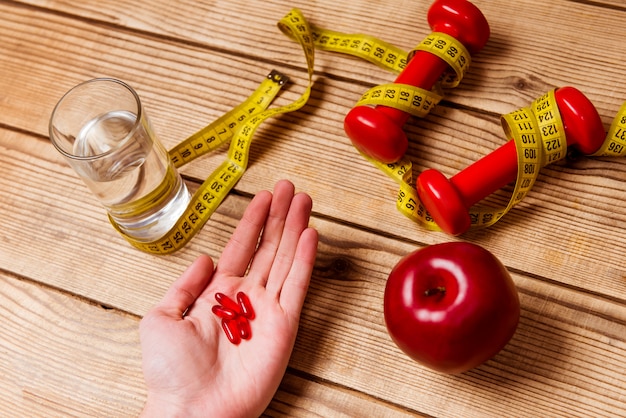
(102, 130)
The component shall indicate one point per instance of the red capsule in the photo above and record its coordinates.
(245, 332)
(223, 312)
(231, 329)
(228, 303)
(245, 305)
(235, 316)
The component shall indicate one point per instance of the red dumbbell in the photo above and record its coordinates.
(448, 201)
(377, 131)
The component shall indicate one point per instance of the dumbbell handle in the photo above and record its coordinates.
(492, 172)
(423, 70)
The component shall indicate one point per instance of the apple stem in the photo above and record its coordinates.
(435, 291)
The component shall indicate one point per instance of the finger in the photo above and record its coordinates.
(296, 222)
(240, 249)
(295, 287)
(186, 289)
(272, 231)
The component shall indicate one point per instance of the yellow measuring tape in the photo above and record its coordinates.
(615, 143)
(238, 127)
(538, 132)
(539, 139)
(413, 100)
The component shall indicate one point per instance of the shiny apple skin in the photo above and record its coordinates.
(464, 326)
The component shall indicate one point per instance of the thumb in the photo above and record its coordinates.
(184, 291)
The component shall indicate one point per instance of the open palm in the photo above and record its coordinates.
(190, 367)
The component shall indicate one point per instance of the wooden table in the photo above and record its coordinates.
(73, 291)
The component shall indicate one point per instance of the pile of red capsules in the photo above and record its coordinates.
(235, 316)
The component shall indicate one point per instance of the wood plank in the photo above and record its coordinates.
(563, 244)
(575, 206)
(63, 356)
(48, 215)
(569, 347)
(531, 48)
(566, 358)
(301, 397)
(566, 339)
(505, 79)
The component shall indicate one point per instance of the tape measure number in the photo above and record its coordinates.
(238, 127)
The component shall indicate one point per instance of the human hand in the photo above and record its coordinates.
(190, 367)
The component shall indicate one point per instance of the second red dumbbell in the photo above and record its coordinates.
(448, 201)
(377, 131)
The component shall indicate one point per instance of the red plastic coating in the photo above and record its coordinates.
(227, 302)
(377, 131)
(223, 312)
(245, 305)
(236, 316)
(448, 201)
(245, 332)
(231, 329)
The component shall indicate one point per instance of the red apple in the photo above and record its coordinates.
(451, 306)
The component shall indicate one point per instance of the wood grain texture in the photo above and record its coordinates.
(64, 357)
(569, 342)
(576, 202)
(538, 37)
(62, 264)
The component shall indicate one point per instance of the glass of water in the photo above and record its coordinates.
(102, 130)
